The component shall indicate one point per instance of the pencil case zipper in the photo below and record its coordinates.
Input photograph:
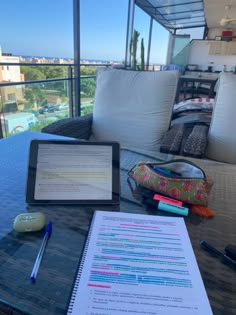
(171, 166)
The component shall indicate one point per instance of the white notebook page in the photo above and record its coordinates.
(138, 264)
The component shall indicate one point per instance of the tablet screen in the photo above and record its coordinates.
(68, 171)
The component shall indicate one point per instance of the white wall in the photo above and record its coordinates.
(198, 54)
(10, 73)
(213, 32)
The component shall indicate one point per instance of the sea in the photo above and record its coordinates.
(82, 59)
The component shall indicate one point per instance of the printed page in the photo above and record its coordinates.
(139, 264)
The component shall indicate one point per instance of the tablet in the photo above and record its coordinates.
(73, 172)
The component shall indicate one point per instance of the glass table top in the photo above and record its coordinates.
(51, 291)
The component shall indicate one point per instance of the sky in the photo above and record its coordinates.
(45, 28)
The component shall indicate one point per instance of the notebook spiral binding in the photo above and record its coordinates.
(77, 279)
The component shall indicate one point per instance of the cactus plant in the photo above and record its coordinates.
(133, 52)
(142, 55)
(133, 48)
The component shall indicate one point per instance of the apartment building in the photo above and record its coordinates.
(10, 73)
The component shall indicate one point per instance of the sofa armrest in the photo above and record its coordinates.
(76, 127)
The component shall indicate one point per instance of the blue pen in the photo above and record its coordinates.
(47, 234)
(165, 172)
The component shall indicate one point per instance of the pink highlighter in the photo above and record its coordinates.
(168, 200)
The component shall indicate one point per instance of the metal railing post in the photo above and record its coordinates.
(129, 32)
(76, 24)
(149, 42)
(70, 91)
(1, 132)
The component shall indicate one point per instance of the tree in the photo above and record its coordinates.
(87, 71)
(88, 87)
(1, 106)
(53, 72)
(32, 73)
(35, 96)
(86, 110)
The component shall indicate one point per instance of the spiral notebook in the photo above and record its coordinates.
(138, 264)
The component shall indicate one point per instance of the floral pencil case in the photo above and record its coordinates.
(179, 179)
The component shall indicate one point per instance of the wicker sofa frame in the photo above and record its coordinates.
(188, 139)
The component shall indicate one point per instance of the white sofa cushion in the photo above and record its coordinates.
(221, 138)
(133, 107)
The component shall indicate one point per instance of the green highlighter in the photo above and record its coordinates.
(164, 206)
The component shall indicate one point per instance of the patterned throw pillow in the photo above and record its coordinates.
(195, 104)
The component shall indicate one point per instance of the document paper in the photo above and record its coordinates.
(138, 264)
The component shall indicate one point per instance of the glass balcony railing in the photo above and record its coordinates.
(34, 102)
(87, 92)
(34, 95)
(44, 93)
